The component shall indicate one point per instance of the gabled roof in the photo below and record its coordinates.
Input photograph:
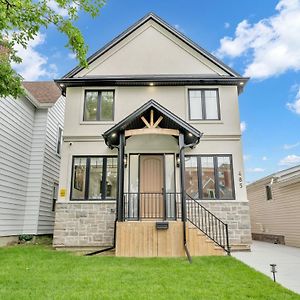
(170, 120)
(45, 92)
(168, 27)
(289, 174)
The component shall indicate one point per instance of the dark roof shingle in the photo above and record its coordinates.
(43, 91)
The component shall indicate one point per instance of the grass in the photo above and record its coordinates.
(38, 272)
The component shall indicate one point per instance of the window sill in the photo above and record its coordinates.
(205, 122)
(97, 123)
(86, 202)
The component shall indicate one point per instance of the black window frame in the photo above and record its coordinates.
(99, 98)
(216, 176)
(269, 193)
(54, 195)
(59, 140)
(203, 104)
(87, 177)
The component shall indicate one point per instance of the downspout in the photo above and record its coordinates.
(182, 147)
(118, 215)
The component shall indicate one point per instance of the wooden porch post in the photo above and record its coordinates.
(120, 191)
(182, 176)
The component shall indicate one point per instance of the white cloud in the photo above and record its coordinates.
(34, 64)
(179, 28)
(255, 170)
(273, 43)
(243, 126)
(295, 105)
(290, 160)
(61, 11)
(290, 146)
(226, 25)
(72, 55)
(264, 158)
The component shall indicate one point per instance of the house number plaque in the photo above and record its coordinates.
(240, 179)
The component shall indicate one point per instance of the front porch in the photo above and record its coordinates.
(151, 189)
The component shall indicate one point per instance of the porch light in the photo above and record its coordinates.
(273, 270)
(113, 135)
(177, 160)
(151, 84)
(125, 161)
(62, 85)
(241, 83)
(190, 134)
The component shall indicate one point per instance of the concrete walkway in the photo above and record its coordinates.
(286, 258)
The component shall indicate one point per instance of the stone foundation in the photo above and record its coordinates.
(84, 225)
(92, 224)
(237, 216)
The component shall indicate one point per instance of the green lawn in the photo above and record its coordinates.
(37, 272)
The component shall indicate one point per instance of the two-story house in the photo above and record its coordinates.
(152, 158)
(30, 144)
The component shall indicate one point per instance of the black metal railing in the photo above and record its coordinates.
(162, 206)
(208, 223)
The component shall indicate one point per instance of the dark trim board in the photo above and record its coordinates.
(157, 80)
(169, 28)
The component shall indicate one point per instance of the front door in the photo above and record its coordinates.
(151, 186)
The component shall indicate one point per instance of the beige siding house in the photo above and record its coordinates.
(275, 207)
(151, 158)
(29, 135)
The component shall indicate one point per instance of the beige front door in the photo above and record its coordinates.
(151, 186)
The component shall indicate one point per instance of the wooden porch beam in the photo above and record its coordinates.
(158, 121)
(142, 131)
(145, 121)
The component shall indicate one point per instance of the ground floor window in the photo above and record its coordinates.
(94, 178)
(209, 177)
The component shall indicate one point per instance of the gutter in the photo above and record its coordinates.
(183, 146)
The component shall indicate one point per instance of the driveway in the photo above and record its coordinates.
(286, 258)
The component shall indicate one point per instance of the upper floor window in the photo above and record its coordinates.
(209, 177)
(94, 178)
(269, 192)
(54, 195)
(204, 104)
(59, 140)
(98, 105)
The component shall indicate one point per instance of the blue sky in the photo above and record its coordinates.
(256, 38)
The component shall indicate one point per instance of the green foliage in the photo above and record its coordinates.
(21, 21)
(34, 272)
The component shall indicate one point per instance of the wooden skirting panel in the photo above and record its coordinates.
(142, 239)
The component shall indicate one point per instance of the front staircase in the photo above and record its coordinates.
(205, 234)
(207, 224)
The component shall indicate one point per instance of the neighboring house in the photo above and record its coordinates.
(30, 144)
(152, 117)
(275, 207)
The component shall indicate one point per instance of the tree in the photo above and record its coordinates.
(21, 21)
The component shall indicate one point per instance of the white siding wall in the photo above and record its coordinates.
(50, 173)
(16, 128)
(35, 172)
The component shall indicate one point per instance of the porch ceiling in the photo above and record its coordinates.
(169, 121)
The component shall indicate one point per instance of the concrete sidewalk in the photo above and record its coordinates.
(286, 258)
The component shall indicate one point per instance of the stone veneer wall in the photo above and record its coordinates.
(84, 225)
(237, 216)
(92, 225)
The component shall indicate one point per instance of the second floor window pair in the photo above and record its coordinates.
(98, 106)
(203, 105)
